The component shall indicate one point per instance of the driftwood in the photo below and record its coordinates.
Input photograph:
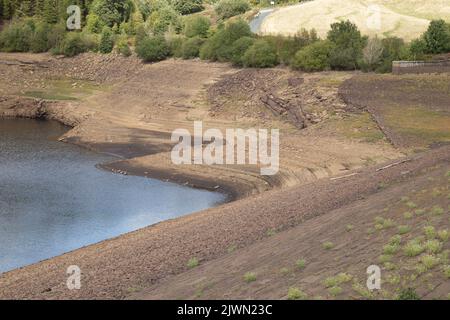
(393, 165)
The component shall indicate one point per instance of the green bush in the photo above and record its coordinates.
(94, 24)
(196, 26)
(417, 49)
(260, 55)
(175, 44)
(229, 8)
(122, 46)
(394, 49)
(314, 57)
(56, 38)
(17, 37)
(153, 49)
(106, 40)
(437, 37)
(161, 20)
(73, 44)
(348, 45)
(91, 41)
(191, 47)
(218, 46)
(187, 6)
(238, 49)
(39, 39)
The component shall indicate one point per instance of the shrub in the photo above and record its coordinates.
(73, 44)
(301, 263)
(187, 6)
(260, 55)
(218, 46)
(393, 49)
(175, 44)
(191, 47)
(417, 49)
(16, 37)
(229, 8)
(94, 24)
(314, 57)
(238, 49)
(348, 45)
(39, 39)
(153, 49)
(437, 37)
(122, 46)
(91, 41)
(196, 26)
(106, 41)
(162, 19)
(372, 54)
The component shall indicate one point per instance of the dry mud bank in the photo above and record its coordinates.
(130, 109)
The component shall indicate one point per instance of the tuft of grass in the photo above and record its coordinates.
(382, 223)
(271, 232)
(349, 227)
(300, 264)
(337, 280)
(389, 266)
(328, 245)
(335, 291)
(419, 212)
(437, 211)
(390, 249)
(413, 248)
(404, 229)
(250, 277)
(385, 258)
(404, 199)
(408, 294)
(192, 263)
(433, 246)
(411, 205)
(395, 240)
(296, 294)
(407, 215)
(285, 271)
(429, 261)
(362, 291)
(232, 248)
(393, 279)
(443, 235)
(446, 270)
(430, 232)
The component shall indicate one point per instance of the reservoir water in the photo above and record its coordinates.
(53, 199)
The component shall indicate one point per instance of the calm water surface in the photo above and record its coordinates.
(53, 199)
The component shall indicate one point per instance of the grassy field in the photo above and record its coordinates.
(403, 18)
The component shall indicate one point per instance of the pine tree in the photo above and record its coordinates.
(51, 11)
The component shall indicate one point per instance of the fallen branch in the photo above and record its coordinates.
(343, 177)
(393, 165)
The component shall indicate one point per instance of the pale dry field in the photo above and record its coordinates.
(407, 19)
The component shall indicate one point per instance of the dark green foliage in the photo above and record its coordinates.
(73, 44)
(348, 45)
(408, 294)
(218, 46)
(106, 41)
(17, 37)
(187, 6)
(238, 49)
(153, 49)
(175, 44)
(315, 57)
(110, 12)
(260, 55)
(418, 49)
(229, 8)
(437, 37)
(39, 39)
(196, 26)
(191, 47)
(394, 49)
(122, 46)
(287, 47)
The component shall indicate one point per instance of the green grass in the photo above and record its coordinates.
(192, 263)
(433, 246)
(404, 229)
(296, 294)
(337, 280)
(250, 277)
(328, 245)
(430, 232)
(335, 291)
(443, 235)
(413, 248)
(300, 264)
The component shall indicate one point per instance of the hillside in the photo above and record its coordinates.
(403, 18)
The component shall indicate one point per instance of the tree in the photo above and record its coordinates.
(229, 8)
(437, 37)
(196, 26)
(51, 11)
(372, 53)
(347, 45)
(106, 40)
(112, 11)
(187, 6)
(153, 49)
(260, 55)
(315, 57)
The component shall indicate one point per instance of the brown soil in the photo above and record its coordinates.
(129, 109)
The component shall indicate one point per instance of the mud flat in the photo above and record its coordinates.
(131, 113)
